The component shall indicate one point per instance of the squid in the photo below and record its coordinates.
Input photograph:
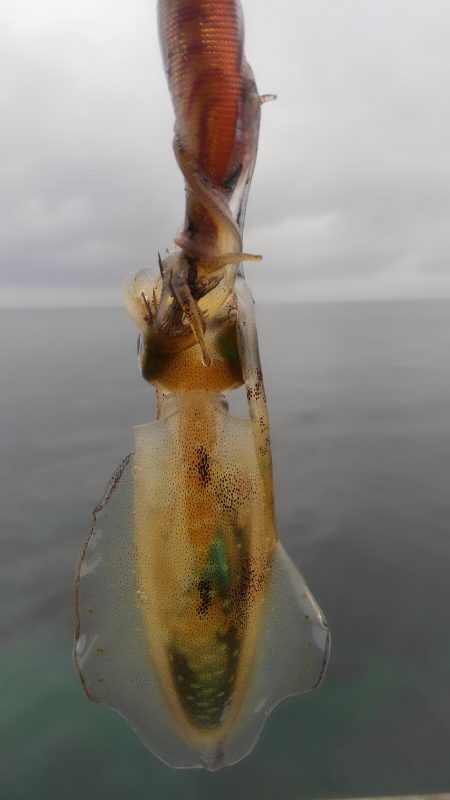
(191, 619)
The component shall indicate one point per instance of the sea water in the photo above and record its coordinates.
(359, 400)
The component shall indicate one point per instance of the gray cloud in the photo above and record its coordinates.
(351, 193)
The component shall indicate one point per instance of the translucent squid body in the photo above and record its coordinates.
(191, 619)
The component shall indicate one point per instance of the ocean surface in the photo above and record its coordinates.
(359, 397)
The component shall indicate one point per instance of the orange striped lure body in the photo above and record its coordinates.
(191, 620)
(217, 107)
(203, 56)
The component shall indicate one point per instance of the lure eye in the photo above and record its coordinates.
(230, 183)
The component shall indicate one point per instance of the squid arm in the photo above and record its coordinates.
(252, 374)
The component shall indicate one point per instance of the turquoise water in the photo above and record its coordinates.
(360, 407)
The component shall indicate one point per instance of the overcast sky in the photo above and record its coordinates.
(351, 194)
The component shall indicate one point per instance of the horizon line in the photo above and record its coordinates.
(261, 302)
